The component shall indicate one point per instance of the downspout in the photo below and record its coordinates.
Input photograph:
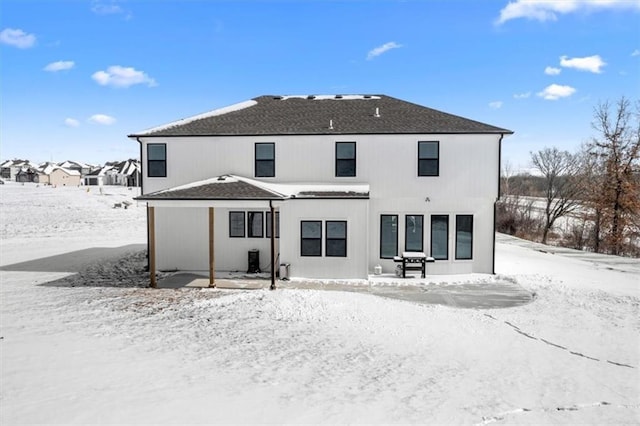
(493, 260)
(273, 245)
(142, 193)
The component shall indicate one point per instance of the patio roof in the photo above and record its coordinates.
(230, 187)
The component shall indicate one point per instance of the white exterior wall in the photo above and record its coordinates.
(182, 241)
(354, 212)
(467, 184)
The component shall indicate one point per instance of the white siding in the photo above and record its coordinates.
(467, 184)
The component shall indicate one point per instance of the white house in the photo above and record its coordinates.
(351, 181)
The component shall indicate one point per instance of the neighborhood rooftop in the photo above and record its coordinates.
(322, 114)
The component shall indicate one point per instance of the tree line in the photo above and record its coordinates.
(595, 191)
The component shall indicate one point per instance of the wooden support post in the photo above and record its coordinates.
(152, 247)
(273, 246)
(212, 257)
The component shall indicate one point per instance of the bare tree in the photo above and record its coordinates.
(617, 146)
(562, 189)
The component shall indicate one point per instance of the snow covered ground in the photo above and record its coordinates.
(116, 352)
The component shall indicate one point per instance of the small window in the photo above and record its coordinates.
(268, 225)
(413, 233)
(345, 159)
(311, 238)
(440, 237)
(388, 236)
(464, 236)
(157, 160)
(236, 224)
(336, 242)
(255, 225)
(428, 158)
(265, 160)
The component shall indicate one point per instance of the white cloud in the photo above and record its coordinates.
(71, 122)
(105, 8)
(17, 38)
(522, 95)
(495, 104)
(556, 91)
(59, 66)
(552, 71)
(635, 52)
(548, 10)
(382, 49)
(102, 119)
(118, 76)
(588, 63)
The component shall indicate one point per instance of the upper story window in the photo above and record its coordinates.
(345, 159)
(265, 157)
(157, 160)
(428, 158)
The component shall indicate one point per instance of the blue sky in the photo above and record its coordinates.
(77, 76)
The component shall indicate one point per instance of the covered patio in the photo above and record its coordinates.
(218, 192)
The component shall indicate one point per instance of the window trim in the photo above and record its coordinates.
(250, 215)
(354, 159)
(380, 239)
(149, 161)
(327, 239)
(456, 247)
(437, 159)
(244, 224)
(302, 239)
(447, 240)
(256, 160)
(406, 227)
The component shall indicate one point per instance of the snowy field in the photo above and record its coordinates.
(116, 352)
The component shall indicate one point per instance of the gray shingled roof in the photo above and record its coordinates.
(276, 115)
(215, 190)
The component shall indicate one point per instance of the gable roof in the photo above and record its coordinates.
(327, 114)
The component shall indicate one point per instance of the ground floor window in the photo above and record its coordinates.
(336, 240)
(413, 233)
(236, 224)
(464, 236)
(388, 236)
(255, 225)
(268, 225)
(440, 237)
(311, 238)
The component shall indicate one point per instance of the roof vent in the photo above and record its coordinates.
(338, 96)
(367, 96)
(311, 97)
(377, 114)
(330, 124)
(221, 178)
(277, 98)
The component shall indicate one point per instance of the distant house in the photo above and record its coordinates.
(62, 177)
(346, 184)
(77, 166)
(125, 173)
(10, 168)
(27, 174)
